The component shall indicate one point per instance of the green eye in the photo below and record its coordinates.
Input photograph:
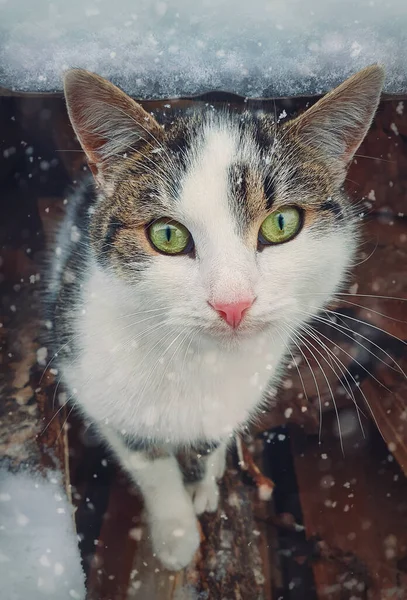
(280, 226)
(170, 237)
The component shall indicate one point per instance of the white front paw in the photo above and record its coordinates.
(220, 467)
(205, 496)
(217, 463)
(175, 540)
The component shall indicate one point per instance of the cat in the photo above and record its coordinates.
(184, 270)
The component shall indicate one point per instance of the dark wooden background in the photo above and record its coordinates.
(336, 527)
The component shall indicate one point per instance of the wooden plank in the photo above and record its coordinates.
(355, 504)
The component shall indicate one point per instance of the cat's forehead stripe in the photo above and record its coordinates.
(226, 174)
(269, 190)
(250, 193)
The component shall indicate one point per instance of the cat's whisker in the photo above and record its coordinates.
(374, 158)
(141, 126)
(56, 414)
(292, 339)
(159, 360)
(294, 363)
(307, 344)
(81, 335)
(328, 321)
(366, 323)
(160, 341)
(353, 181)
(162, 309)
(65, 422)
(339, 328)
(368, 257)
(339, 319)
(362, 393)
(369, 309)
(375, 296)
(355, 361)
(55, 391)
(173, 355)
(155, 170)
(193, 335)
(163, 338)
(55, 355)
(343, 369)
(141, 334)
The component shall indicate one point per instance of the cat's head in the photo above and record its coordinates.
(228, 222)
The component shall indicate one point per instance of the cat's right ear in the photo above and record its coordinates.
(336, 125)
(107, 122)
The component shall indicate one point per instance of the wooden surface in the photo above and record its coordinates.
(354, 544)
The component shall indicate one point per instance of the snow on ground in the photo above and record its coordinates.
(39, 556)
(154, 48)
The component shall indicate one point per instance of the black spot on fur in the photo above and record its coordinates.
(205, 447)
(192, 462)
(63, 300)
(263, 133)
(332, 206)
(136, 444)
(178, 144)
(107, 244)
(269, 191)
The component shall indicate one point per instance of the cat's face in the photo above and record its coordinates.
(222, 188)
(228, 223)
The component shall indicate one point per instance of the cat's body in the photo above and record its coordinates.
(169, 352)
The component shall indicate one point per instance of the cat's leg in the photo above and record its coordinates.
(171, 517)
(204, 489)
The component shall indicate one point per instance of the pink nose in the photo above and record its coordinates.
(232, 313)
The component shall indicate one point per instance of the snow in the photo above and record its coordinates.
(157, 49)
(265, 492)
(39, 556)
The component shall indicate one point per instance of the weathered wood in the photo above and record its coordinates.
(355, 504)
(30, 431)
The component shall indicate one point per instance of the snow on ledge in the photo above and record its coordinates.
(157, 49)
(39, 555)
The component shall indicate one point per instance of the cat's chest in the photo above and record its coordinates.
(176, 391)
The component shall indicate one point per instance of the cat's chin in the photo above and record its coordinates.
(233, 337)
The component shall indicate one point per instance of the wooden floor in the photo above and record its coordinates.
(336, 527)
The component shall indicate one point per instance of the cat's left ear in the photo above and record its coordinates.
(336, 125)
(107, 122)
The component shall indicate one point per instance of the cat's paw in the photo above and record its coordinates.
(205, 495)
(220, 466)
(175, 541)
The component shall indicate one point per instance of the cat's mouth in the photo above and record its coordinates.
(247, 328)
